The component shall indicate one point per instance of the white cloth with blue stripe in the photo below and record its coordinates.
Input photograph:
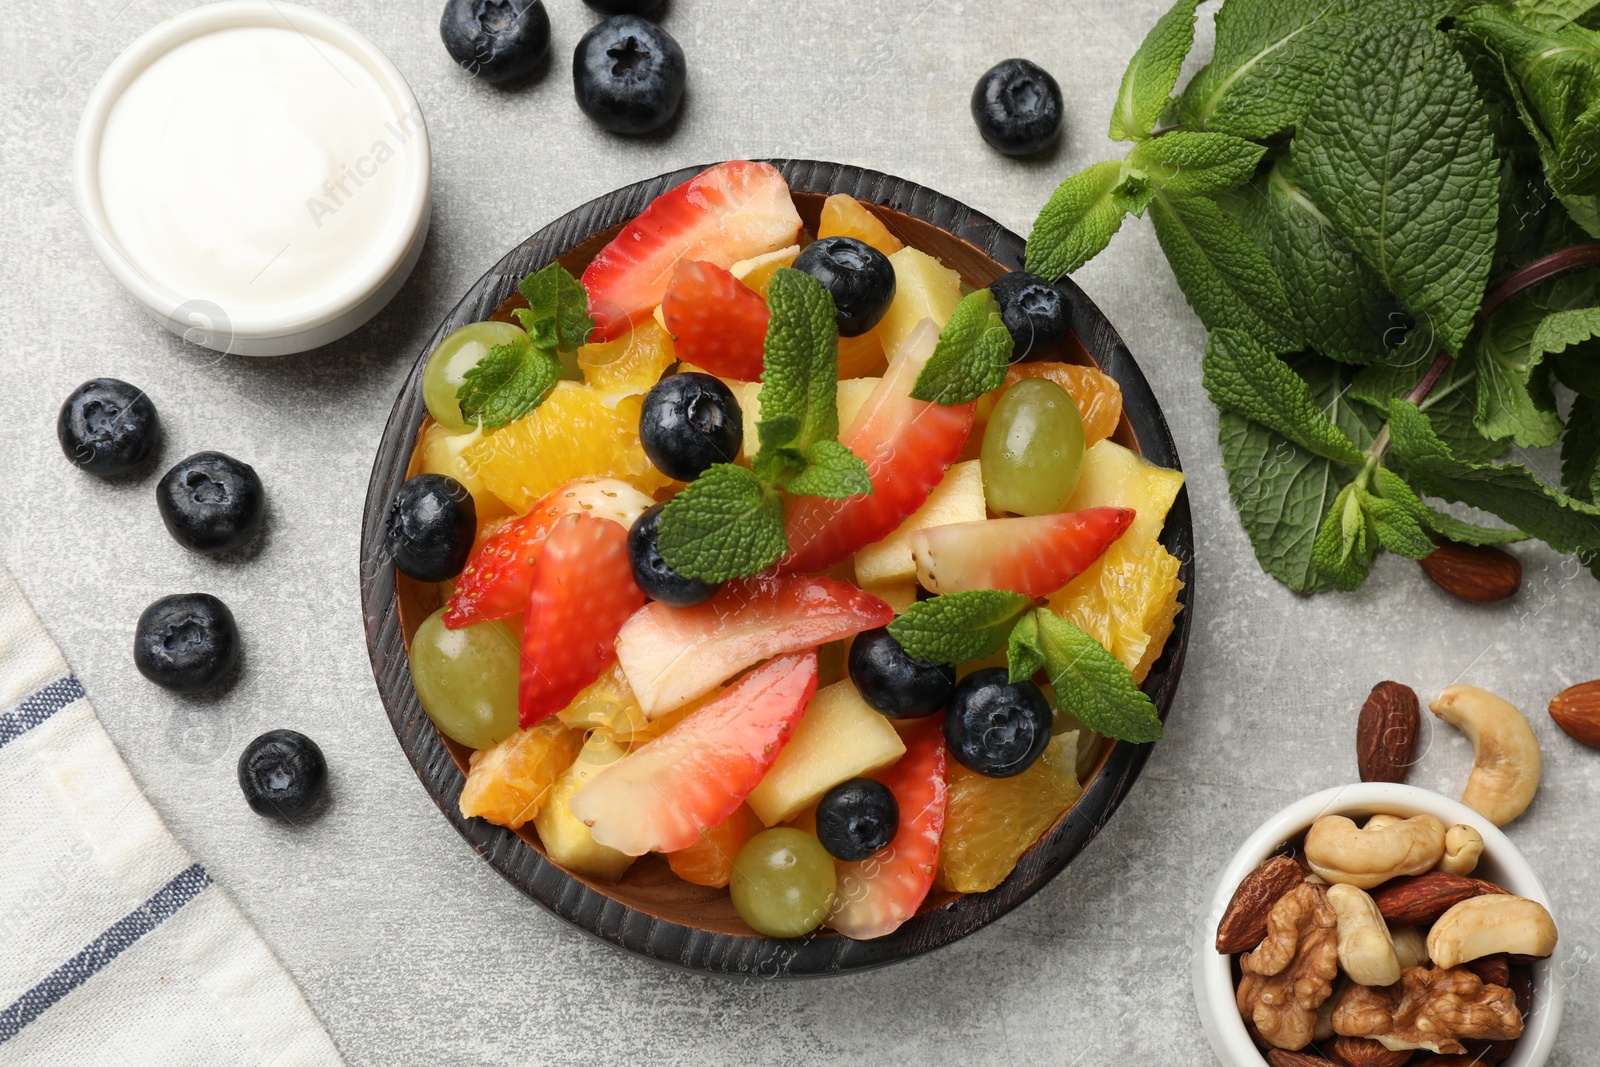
(116, 948)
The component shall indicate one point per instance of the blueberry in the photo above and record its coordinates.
(1017, 106)
(650, 571)
(628, 74)
(187, 642)
(1035, 312)
(496, 40)
(283, 774)
(858, 277)
(996, 728)
(857, 818)
(430, 527)
(624, 7)
(689, 422)
(900, 685)
(212, 503)
(108, 427)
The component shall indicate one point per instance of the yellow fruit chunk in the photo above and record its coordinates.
(958, 498)
(1114, 476)
(709, 861)
(898, 595)
(990, 822)
(845, 216)
(757, 273)
(1098, 396)
(631, 364)
(569, 841)
(861, 356)
(509, 783)
(853, 392)
(606, 704)
(576, 433)
(839, 737)
(441, 454)
(924, 289)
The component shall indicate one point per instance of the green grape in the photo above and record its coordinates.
(467, 678)
(457, 354)
(783, 882)
(1032, 449)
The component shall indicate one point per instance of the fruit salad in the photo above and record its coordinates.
(783, 555)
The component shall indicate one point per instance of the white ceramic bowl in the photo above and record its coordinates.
(1502, 864)
(324, 316)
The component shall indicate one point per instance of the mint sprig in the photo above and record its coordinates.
(957, 628)
(726, 524)
(1152, 73)
(513, 379)
(1093, 685)
(971, 356)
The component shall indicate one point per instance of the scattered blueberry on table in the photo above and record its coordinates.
(212, 503)
(1035, 313)
(187, 642)
(108, 427)
(629, 75)
(996, 727)
(858, 277)
(654, 577)
(430, 527)
(1018, 107)
(689, 422)
(283, 774)
(894, 682)
(496, 40)
(625, 7)
(857, 818)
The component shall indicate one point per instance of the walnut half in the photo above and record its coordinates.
(1290, 974)
(1430, 1008)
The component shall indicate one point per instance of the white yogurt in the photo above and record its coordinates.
(259, 168)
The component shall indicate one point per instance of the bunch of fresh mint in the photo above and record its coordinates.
(1383, 211)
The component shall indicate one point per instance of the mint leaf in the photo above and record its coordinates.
(1281, 491)
(1347, 543)
(1024, 657)
(1398, 152)
(555, 296)
(1192, 164)
(1152, 73)
(725, 524)
(1514, 395)
(1246, 379)
(1077, 222)
(1400, 520)
(959, 627)
(800, 375)
(1511, 491)
(1552, 14)
(1565, 329)
(1346, 311)
(1580, 451)
(1452, 407)
(1394, 488)
(832, 471)
(508, 382)
(1272, 57)
(972, 355)
(1093, 685)
(1223, 275)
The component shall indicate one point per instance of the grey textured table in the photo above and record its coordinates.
(411, 949)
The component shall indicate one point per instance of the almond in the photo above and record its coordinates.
(1522, 986)
(1479, 574)
(1493, 970)
(1279, 1057)
(1419, 901)
(1490, 1051)
(1244, 924)
(1386, 733)
(1577, 711)
(1365, 1052)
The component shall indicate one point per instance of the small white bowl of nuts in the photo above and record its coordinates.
(1379, 925)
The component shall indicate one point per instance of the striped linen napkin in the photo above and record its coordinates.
(116, 948)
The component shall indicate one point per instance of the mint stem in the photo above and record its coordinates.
(1514, 284)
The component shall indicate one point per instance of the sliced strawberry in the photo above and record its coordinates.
(730, 212)
(672, 655)
(1034, 555)
(663, 796)
(716, 321)
(581, 594)
(877, 894)
(495, 583)
(906, 444)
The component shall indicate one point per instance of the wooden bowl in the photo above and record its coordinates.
(651, 912)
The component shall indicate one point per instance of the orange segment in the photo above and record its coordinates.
(861, 357)
(632, 363)
(1128, 601)
(509, 783)
(577, 432)
(441, 455)
(845, 216)
(990, 822)
(709, 861)
(606, 704)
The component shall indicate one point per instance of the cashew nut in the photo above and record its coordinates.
(1366, 952)
(1341, 852)
(1378, 822)
(1482, 926)
(1505, 754)
(1463, 845)
(1410, 946)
